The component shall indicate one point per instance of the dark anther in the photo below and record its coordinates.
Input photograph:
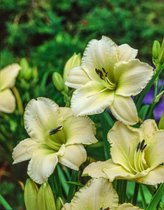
(138, 146)
(99, 72)
(105, 208)
(55, 130)
(104, 72)
(142, 145)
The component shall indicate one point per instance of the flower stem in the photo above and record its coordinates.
(136, 190)
(121, 189)
(18, 99)
(156, 198)
(4, 203)
(143, 196)
(63, 180)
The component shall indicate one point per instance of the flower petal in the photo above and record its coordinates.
(98, 191)
(79, 130)
(154, 153)
(132, 77)
(126, 53)
(99, 54)
(154, 177)
(7, 101)
(73, 157)
(123, 141)
(127, 206)
(124, 110)
(40, 117)
(77, 77)
(42, 165)
(149, 128)
(95, 169)
(8, 76)
(23, 151)
(93, 98)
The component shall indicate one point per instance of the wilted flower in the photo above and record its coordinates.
(55, 136)
(108, 76)
(97, 194)
(7, 81)
(137, 154)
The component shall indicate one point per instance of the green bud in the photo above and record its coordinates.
(156, 49)
(35, 72)
(58, 81)
(161, 122)
(161, 53)
(45, 198)
(72, 62)
(30, 195)
(26, 71)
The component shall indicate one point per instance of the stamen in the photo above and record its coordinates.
(97, 92)
(138, 146)
(142, 144)
(143, 147)
(55, 130)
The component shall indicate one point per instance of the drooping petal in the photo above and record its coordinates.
(79, 130)
(132, 77)
(101, 194)
(8, 76)
(40, 117)
(42, 165)
(127, 206)
(93, 98)
(124, 110)
(77, 77)
(124, 140)
(23, 151)
(7, 101)
(73, 157)
(154, 153)
(95, 170)
(99, 54)
(154, 177)
(126, 53)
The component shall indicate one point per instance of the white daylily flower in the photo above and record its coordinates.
(7, 81)
(55, 136)
(97, 194)
(108, 76)
(136, 154)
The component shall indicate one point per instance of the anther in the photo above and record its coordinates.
(138, 146)
(142, 145)
(55, 130)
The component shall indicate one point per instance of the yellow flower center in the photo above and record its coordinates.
(139, 163)
(103, 74)
(55, 138)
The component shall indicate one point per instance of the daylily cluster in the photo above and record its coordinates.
(7, 80)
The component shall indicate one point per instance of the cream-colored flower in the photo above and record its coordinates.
(7, 81)
(108, 76)
(136, 154)
(55, 136)
(97, 194)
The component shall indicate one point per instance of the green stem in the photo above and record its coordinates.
(63, 180)
(156, 198)
(136, 190)
(141, 97)
(143, 197)
(121, 189)
(72, 188)
(4, 203)
(18, 99)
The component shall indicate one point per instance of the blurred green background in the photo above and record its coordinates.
(47, 33)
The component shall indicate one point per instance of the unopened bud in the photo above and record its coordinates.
(58, 81)
(72, 62)
(26, 71)
(45, 198)
(30, 195)
(156, 49)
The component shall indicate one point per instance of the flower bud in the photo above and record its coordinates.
(26, 71)
(58, 81)
(72, 62)
(30, 195)
(45, 198)
(156, 49)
